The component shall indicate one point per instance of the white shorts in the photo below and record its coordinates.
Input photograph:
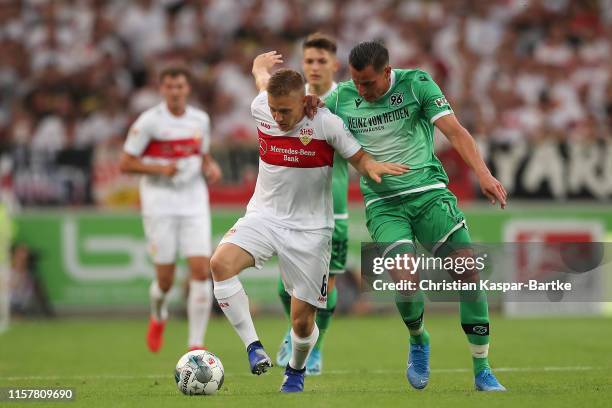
(303, 256)
(166, 235)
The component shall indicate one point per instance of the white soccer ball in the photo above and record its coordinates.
(199, 372)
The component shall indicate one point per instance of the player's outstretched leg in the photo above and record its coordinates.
(159, 315)
(258, 359)
(411, 310)
(226, 263)
(235, 304)
(284, 351)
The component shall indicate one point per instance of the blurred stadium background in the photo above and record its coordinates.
(530, 79)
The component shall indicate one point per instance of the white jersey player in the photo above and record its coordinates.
(168, 144)
(319, 64)
(290, 215)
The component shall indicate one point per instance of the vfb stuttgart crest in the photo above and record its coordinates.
(263, 147)
(306, 135)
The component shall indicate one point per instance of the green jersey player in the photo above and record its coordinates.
(319, 64)
(392, 113)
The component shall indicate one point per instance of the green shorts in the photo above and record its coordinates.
(431, 217)
(337, 264)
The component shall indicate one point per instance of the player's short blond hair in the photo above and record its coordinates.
(284, 81)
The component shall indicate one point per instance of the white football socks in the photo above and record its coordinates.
(301, 348)
(235, 304)
(159, 305)
(199, 304)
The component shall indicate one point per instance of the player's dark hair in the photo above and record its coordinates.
(320, 41)
(369, 53)
(285, 81)
(174, 71)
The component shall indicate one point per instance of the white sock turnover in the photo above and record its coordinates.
(235, 304)
(301, 348)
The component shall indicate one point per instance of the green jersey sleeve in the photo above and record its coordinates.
(430, 97)
(331, 102)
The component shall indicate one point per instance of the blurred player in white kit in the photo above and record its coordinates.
(169, 146)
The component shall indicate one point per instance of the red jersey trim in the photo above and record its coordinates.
(293, 151)
(173, 149)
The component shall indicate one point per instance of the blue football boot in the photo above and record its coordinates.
(284, 352)
(485, 381)
(418, 365)
(258, 359)
(294, 380)
(314, 364)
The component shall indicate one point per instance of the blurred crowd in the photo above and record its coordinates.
(75, 73)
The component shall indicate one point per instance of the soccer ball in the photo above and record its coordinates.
(199, 372)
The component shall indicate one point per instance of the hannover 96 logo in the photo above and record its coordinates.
(440, 102)
(396, 99)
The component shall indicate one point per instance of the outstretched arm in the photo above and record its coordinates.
(367, 166)
(464, 143)
(261, 68)
(133, 164)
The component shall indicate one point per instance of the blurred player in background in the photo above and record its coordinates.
(319, 64)
(392, 113)
(290, 215)
(168, 144)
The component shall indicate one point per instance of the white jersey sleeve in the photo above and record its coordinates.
(139, 135)
(259, 107)
(205, 146)
(338, 135)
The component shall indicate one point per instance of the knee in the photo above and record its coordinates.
(164, 283)
(302, 325)
(200, 269)
(221, 267)
(466, 271)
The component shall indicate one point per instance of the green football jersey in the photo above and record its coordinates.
(339, 174)
(398, 127)
(340, 181)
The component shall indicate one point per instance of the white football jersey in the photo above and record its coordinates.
(157, 136)
(293, 187)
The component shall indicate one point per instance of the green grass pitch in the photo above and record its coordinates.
(543, 362)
